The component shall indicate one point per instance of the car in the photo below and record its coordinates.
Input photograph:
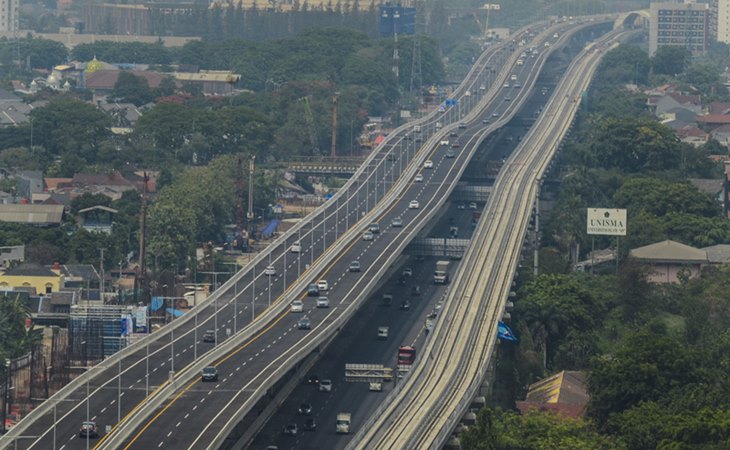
(290, 429)
(313, 380)
(452, 134)
(325, 386)
(450, 154)
(402, 280)
(210, 373)
(88, 430)
(383, 333)
(507, 98)
(390, 157)
(467, 94)
(520, 62)
(472, 205)
(305, 409)
(323, 285)
(495, 115)
(428, 164)
(513, 77)
(310, 424)
(304, 324)
(312, 290)
(414, 204)
(407, 272)
(323, 302)
(405, 305)
(209, 336)
(419, 178)
(462, 125)
(297, 306)
(272, 447)
(375, 386)
(296, 247)
(445, 142)
(518, 85)
(368, 236)
(485, 121)
(387, 299)
(374, 228)
(397, 222)
(461, 205)
(482, 88)
(506, 84)
(416, 290)
(354, 266)
(270, 271)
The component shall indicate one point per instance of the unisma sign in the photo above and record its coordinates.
(610, 222)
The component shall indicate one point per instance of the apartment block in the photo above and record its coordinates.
(9, 15)
(679, 24)
(720, 20)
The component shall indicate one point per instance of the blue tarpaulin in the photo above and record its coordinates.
(157, 303)
(174, 312)
(505, 334)
(270, 229)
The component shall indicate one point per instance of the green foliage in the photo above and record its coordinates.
(624, 64)
(660, 197)
(88, 200)
(15, 340)
(670, 60)
(42, 53)
(132, 89)
(124, 52)
(508, 430)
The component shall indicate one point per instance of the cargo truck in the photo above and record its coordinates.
(343, 422)
(441, 274)
(406, 355)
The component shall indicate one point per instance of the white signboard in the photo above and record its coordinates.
(611, 222)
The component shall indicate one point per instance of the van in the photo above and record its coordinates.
(296, 247)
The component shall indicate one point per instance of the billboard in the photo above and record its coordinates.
(397, 19)
(610, 222)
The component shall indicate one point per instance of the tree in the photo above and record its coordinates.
(132, 88)
(670, 60)
(661, 197)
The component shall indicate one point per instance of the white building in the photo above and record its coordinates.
(679, 24)
(9, 15)
(720, 20)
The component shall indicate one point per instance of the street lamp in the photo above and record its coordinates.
(6, 394)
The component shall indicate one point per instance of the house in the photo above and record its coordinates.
(31, 276)
(692, 135)
(673, 100)
(40, 215)
(97, 218)
(101, 82)
(714, 187)
(28, 182)
(564, 393)
(13, 110)
(11, 255)
(718, 254)
(670, 261)
(711, 122)
(210, 82)
(722, 134)
(125, 115)
(112, 185)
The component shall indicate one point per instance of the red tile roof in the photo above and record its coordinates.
(714, 118)
(106, 79)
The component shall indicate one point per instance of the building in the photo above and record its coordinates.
(31, 275)
(670, 261)
(564, 393)
(39, 215)
(679, 24)
(210, 82)
(9, 15)
(720, 20)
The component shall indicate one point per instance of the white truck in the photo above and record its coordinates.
(441, 274)
(343, 423)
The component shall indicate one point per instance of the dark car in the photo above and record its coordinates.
(313, 380)
(290, 429)
(305, 409)
(405, 305)
(416, 290)
(304, 324)
(387, 299)
(209, 336)
(310, 425)
(452, 134)
(210, 373)
(313, 290)
(402, 280)
(354, 266)
(88, 429)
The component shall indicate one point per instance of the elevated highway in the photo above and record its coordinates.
(422, 412)
(149, 396)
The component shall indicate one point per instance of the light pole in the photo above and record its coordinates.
(6, 394)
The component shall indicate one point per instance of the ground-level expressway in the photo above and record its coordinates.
(148, 395)
(422, 412)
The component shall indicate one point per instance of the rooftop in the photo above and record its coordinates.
(669, 251)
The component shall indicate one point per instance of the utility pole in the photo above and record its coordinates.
(101, 274)
(141, 280)
(249, 214)
(333, 153)
(239, 206)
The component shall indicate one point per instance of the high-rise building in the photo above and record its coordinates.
(679, 24)
(720, 20)
(9, 15)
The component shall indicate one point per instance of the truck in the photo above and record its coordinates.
(343, 422)
(416, 128)
(406, 355)
(441, 274)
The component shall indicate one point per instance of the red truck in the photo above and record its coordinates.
(406, 355)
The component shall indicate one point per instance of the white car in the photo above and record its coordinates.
(297, 306)
(445, 142)
(270, 271)
(323, 302)
(506, 84)
(323, 285)
(325, 386)
(428, 164)
(419, 178)
(296, 247)
(414, 204)
(368, 236)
